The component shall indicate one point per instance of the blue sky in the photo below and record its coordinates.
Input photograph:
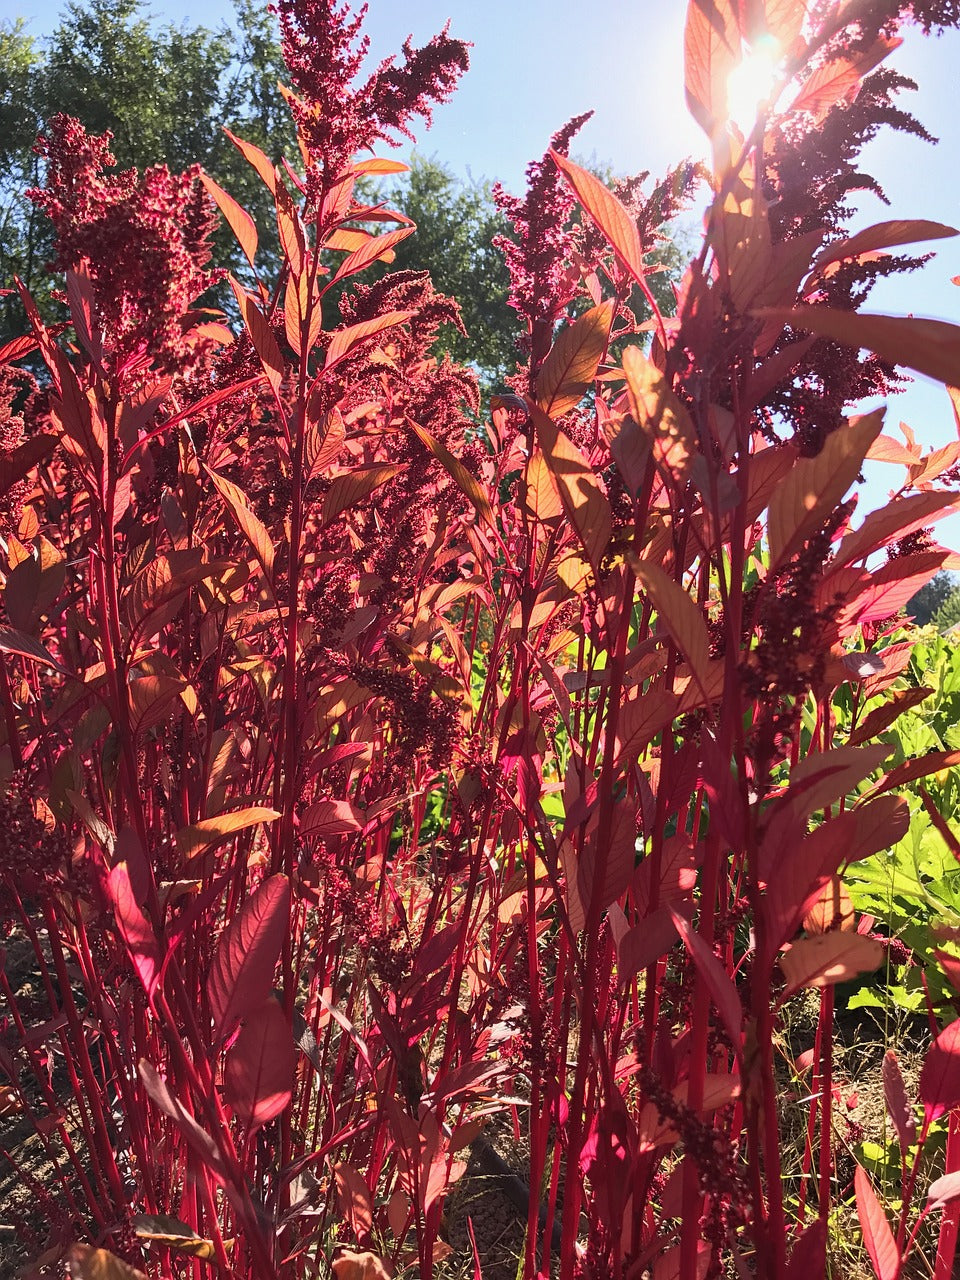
(536, 63)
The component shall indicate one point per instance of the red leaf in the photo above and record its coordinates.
(928, 346)
(883, 236)
(645, 943)
(680, 616)
(662, 418)
(895, 520)
(718, 981)
(255, 157)
(711, 50)
(344, 340)
(814, 486)
(940, 1074)
(372, 250)
(258, 1076)
(19, 462)
(943, 1190)
(834, 80)
(468, 485)
(353, 486)
(135, 929)
(12, 641)
(241, 974)
(898, 1104)
(261, 335)
(290, 230)
(331, 818)
(249, 524)
(239, 221)
(569, 370)
(354, 1200)
(620, 860)
(608, 213)
(922, 767)
(199, 1141)
(808, 1258)
(877, 1236)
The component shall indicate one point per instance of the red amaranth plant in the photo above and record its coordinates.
(369, 767)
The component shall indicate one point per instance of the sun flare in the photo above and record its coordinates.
(751, 83)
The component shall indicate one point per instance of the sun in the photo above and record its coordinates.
(751, 83)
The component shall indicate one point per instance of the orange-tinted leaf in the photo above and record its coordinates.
(828, 958)
(87, 1263)
(241, 973)
(886, 449)
(372, 250)
(258, 1076)
(660, 415)
(255, 157)
(892, 585)
(884, 236)
(331, 818)
(569, 370)
(711, 50)
(290, 229)
(784, 20)
(354, 1199)
(940, 1074)
(895, 520)
(814, 486)
(261, 335)
(608, 213)
(350, 1265)
(620, 859)
(212, 831)
(239, 221)
(19, 462)
(641, 719)
(680, 616)
(877, 1236)
(157, 1228)
(353, 486)
(831, 82)
(468, 485)
(831, 909)
(928, 346)
(584, 501)
(344, 340)
(151, 699)
(249, 524)
(377, 164)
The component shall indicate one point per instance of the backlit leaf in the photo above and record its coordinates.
(354, 1199)
(241, 973)
(835, 79)
(898, 1104)
(342, 341)
(135, 929)
(584, 502)
(895, 520)
(814, 486)
(884, 236)
(290, 229)
(680, 616)
(928, 346)
(882, 717)
(249, 523)
(255, 157)
(258, 1076)
(353, 486)
(372, 250)
(213, 831)
(13, 641)
(659, 414)
(717, 980)
(569, 370)
(465, 482)
(711, 50)
(877, 1236)
(87, 1263)
(158, 1228)
(828, 958)
(921, 767)
(608, 213)
(378, 164)
(261, 335)
(239, 221)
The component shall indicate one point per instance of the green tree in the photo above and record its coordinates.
(931, 598)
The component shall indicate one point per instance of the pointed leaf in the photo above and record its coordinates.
(197, 1139)
(882, 717)
(19, 462)
(884, 236)
(158, 1228)
(255, 157)
(940, 1074)
(468, 485)
(895, 520)
(832, 81)
(239, 221)
(342, 341)
(569, 370)
(608, 213)
(711, 50)
(290, 230)
(681, 617)
(258, 1076)
(212, 831)
(354, 1199)
(931, 347)
(584, 501)
(717, 980)
(241, 973)
(135, 929)
(814, 486)
(922, 767)
(249, 524)
(352, 487)
(943, 1190)
(87, 1263)
(372, 250)
(13, 641)
(261, 335)
(660, 415)
(877, 1236)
